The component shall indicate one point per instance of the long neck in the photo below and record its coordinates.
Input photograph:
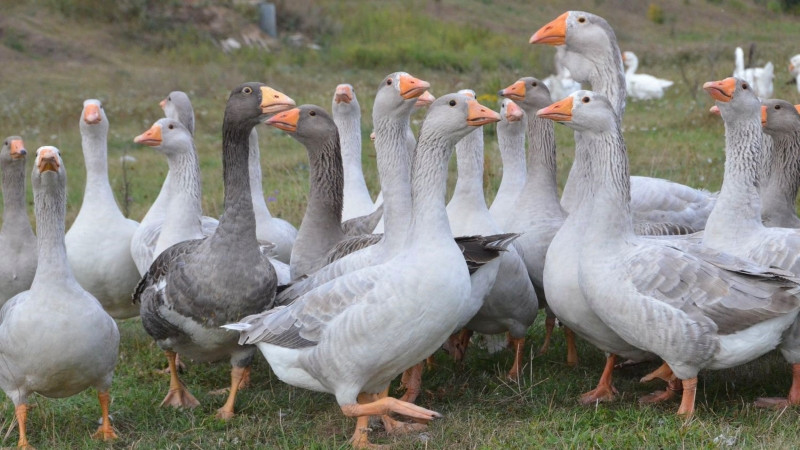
(739, 204)
(95, 153)
(611, 203)
(779, 189)
(541, 166)
(428, 187)
(608, 78)
(238, 220)
(511, 139)
(256, 187)
(185, 201)
(632, 68)
(349, 126)
(50, 208)
(469, 159)
(394, 169)
(15, 215)
(326, 185)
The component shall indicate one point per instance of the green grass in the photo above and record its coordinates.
(129, 55)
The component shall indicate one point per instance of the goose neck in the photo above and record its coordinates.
(256, 187)
(326, 184)
(14, 208)
(428, 187)
(783, 181)
(469, 160)
(238, 219)
(349, 127)
(541, 164)
(394, 169)
(607, 77)
(95, 153)
(50, 208)
(512, 153)
(611, 186)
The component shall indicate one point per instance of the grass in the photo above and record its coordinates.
(56, 54)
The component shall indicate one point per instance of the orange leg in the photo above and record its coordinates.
(687, 401)
(430, 362)
(360, 438)
(456, 344)
(411, 381)
(105, 432)
(518, 344)
(549, 325)
(178, 396)
(664, 372)
(21, 411)
(245, 383)
(388, 405)
(604, 392)
(226, 412)
(791, 400)
(395, 426)
(673, 387)
(178, 363)
(572, 350)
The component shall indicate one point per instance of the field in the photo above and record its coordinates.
(130, 54)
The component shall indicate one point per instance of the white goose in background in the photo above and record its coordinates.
(502, 292)
(561, 84)
(99, 240)
(641, 86)
(347, 116)
(794, 69)
(778, 187)
(592, 55)
(17, 241)
(350, 337)
(511, 141)
(760, 78)
(55, 338)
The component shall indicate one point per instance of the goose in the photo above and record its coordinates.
(110, 275)
(55, 338)
(794, 69)
(695, 307)
(561, 84)
(778, 188)
(347, 115)
(196, 286)
(511, 141)
(641, 86)
(592, 55)
(760, 78)
(350, 337)
(17, 241)
(502, 293)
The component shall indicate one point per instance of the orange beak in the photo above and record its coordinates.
(554, 33)
(715, 110)
(721, 90)
(411, 87)
(515, 92)
(560, 111)
(763, 115)
(343, 94)
(286, 121)
(48, 160)
(151, 137)
(273, 101)
(513, 112)
(18, 149)
(424, 100)
(91, 114)
(162, 103)
(480, 115)
(797, 107)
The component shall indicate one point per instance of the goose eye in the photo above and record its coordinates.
(452, 103)
(312, 113)
(582, 19)
(534, 84)
(586, 99)
(777, 106)
(169, 99)
(247, 90)
(389, 82)
(744, 85)
(171, 126)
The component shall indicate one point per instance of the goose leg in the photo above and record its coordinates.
(604, 392)
(226, 412)
(792, 399)
(178, 362)
(388, 405)
(21, 411)
(664, 372)
(105, 432)
(674, 385)
(395, 426)
(549, 325)
(178, 396)
(687, 401)
(456, 344)
(572, 349)
(245, 383)
(411, 381)
(517, 344)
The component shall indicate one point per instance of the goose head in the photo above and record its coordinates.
(586, 36)
(584, 111)
(779, 116)
(735, 98)
(630, 59)
(345, 103)
(13, 151)
(397, 94)
(48, 167)
(455, 116)
(510, 111)
(168, 136)
(251, 103)
(308, 124)
(424, 100)
(178, 106)
(93, 117)
(529, 93)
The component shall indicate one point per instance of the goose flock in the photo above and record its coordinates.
(365, 290)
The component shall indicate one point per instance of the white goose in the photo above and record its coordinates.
(641, 86)
(694, 307)
(760, 78)
(511, 140)
(592, 55)
(350, 337)
(109, 274)
(794, 69)
(55, 339)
